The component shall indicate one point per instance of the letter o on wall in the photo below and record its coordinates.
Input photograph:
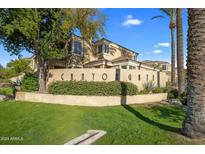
(130, 77)
(104, 76)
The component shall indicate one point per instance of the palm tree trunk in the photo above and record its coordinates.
(180, 63)
(194, 123)
(173, 57)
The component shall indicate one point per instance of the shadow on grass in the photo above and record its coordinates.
(151, 122)
(124, 92)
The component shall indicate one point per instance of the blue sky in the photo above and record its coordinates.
(134, 29)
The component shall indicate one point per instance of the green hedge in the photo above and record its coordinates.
(92, 88)
(29, 82)
(9, 91)
(160, 90)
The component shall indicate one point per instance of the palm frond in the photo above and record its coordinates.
(155, 17)
(170, 12)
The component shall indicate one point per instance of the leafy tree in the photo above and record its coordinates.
(1, 66)
(44, 32)
(20, 66)
(6, 73)
(171, 14)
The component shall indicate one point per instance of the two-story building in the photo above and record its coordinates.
(99, 54)
(102, 60)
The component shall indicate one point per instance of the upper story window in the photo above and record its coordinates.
(132, 67)
(104, 48)
(77, 47)
(164, 67)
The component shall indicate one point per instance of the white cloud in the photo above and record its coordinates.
(164, 44)
(156, 46)
(130, 21)
(157, 52)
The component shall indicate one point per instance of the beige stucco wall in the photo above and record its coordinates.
(97, 74)
(164, 78)
(90, 100)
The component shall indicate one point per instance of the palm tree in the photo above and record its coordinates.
(194, 123)
(180, 63)
(171, 13)
(91, 24)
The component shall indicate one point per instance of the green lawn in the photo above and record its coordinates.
(56, 124)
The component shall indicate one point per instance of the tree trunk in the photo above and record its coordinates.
(41, 69)
(42, 76)
(180, 62)
(194, 123)
(173, 57)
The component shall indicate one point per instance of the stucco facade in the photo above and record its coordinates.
(137, 77)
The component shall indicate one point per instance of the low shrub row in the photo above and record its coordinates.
(155, 90)
(160, 90)
(92, 88)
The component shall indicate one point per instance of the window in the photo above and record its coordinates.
(104, 48)
(147, 77)
(77, 47)
(153, 77)
(139, 77)
(132, 67)
(164, 67)
(124, 67)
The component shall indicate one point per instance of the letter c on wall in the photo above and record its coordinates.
(62, 76)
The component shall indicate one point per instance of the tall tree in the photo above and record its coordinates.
(34, 30)
(171, 14)
(91, 23)
(43, 32)
(180, 59)
(194, 123)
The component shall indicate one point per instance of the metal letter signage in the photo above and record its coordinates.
(104, 76)
(62, 76)
(130, 77)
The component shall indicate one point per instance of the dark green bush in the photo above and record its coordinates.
(172, 94)
(8, 91)
(92, 88)
(29, 82)
(160, 90)
(183, 98)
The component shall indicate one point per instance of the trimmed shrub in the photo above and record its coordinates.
(160, 90)
(173, 94)
(29, 82)
(92, 88)
(183, 98)
(9, 91)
